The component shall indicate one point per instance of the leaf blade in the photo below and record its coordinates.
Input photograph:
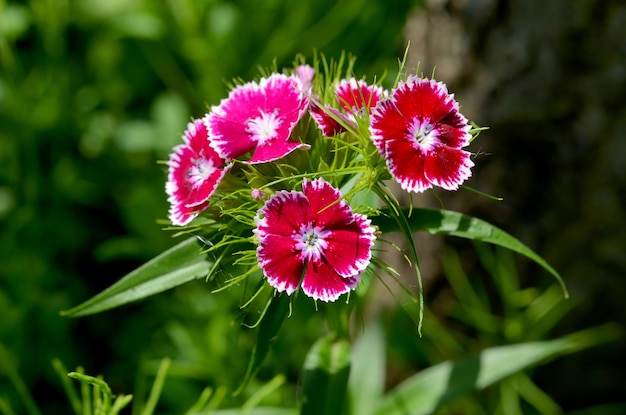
(439, 384)
(325, 379)
(366, 384)
(275, 314)
(176, 266)
(446, 222)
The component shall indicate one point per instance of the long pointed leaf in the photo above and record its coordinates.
(258, 411)
(172, 268)
(400, 219)
(325, 379)
(437, 385)
(273, 318)
(367, 376)
(445, 222)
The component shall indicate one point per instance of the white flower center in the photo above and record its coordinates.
(200, 171)
(424, 133)
(311, 241)
(263, 127)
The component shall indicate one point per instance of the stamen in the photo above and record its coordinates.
(200, 171)
(263, 128)
(422, 132)
(311, 241)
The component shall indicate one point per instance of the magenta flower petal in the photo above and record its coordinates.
(277, 222)
(258, 118)
(350, 236)
(181, 214)
(420, 132)
(405, 162)
(195, 171)
(326, 208)
(321, 282)
(283, 214)
(349, 248)
(327, 119)
(313, 238)
(448, 167)
(281, 263)
(355, 96)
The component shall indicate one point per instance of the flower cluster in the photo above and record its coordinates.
(303, 159)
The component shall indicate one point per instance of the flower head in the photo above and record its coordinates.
(354, 97)
(195, 170)
(420, 132)
(314, 240)
(258, 117)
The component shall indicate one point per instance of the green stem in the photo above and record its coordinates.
(157, 387)
(18, 383)
(72, 396)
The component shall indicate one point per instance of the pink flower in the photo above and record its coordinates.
(305, 74)
(313, 239)
(195, 170)
(354, 97)
(258, 194)
(258, 118)
(420, 132)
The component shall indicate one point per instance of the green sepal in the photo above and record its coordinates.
(176, 266)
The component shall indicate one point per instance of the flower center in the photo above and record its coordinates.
(311, 241)
(423, 132)
(200, 171)
(263, 127)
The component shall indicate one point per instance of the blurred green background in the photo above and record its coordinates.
(94, 93)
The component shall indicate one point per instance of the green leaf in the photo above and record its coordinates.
(367, 377)
(437, 385)
(445, 222)
(157, 387)
(325, 379)
(265, 390)
(257, 411)
(272, 320)
(400, 220)
(172, 268)
(8, 367)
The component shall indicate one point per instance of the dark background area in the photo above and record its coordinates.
(93, 94)
(548, 79)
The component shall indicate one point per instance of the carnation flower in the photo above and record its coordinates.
(314, 240)
(420, 132)
(354, 97)
(195, 170)
(258, 118)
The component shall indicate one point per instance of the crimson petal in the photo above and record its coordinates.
(406, 164)
(321, 282)
(281, 263)
(349, 250)
(447, 167)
